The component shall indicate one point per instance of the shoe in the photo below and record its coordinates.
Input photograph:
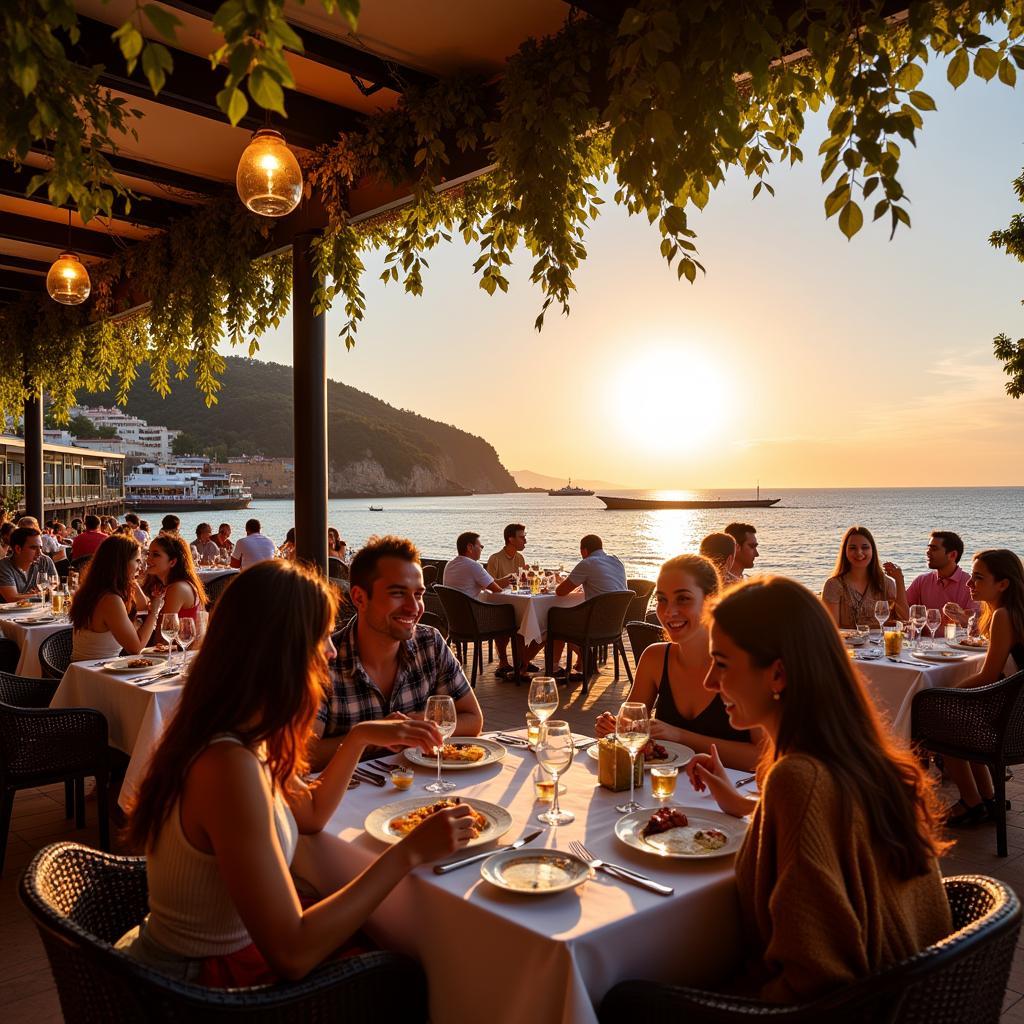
(560, 673)
(503, 671)
(533, 667)
(968, 816)
(990, 807)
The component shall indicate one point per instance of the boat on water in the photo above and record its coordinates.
(185, 485)
(613, 501)
(570, 492)
(376, 508)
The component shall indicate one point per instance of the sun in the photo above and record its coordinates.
(671, 398)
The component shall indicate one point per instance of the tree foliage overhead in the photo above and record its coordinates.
(665, 102)
(1011, 353)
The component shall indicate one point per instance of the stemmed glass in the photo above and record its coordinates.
(882, 616)
(543, 698)
(933, 620)
(632, 730)
(45, 586)
(169, 626)
(186, 634)
(918, 616)
(555, 752)
(441, 711)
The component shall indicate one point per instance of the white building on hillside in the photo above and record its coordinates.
(134, 436)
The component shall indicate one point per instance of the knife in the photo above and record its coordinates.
(367, 776)
(443, 869)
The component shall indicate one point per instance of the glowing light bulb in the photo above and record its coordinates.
(68, 281)
(268, 179)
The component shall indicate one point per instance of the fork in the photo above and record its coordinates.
(619, 872)
(382, 765)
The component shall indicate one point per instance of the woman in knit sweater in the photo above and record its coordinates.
(838, 874)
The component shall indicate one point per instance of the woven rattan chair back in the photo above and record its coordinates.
(336, 568)
(429, 575)
(216, 587)
(639, 605)
(55, 653)
(641, 636)
(436, 622)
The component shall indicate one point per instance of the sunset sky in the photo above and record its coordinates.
(800, 359)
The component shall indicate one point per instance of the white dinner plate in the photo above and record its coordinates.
(494, 753)
(975, 648)
(17, 606)
(629, 826)
(378, 822)
(852, 638)
(678, 755)
(124, 666)
(939, 656)
(535, 872)
(38, 619)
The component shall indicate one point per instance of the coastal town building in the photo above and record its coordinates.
(266, 478)
(135, 436)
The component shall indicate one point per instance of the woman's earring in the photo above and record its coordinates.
(776, 695)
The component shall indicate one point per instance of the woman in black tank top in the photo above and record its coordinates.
(670, 677)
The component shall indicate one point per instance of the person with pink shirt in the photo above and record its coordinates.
(945, 586)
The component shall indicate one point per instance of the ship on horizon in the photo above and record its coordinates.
(618, 503)
(570, 492)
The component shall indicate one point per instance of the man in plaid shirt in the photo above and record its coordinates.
(387, 665)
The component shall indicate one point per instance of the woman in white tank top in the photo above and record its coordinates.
(224, 812)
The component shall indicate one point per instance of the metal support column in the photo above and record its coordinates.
(309, 358)
(33, 415)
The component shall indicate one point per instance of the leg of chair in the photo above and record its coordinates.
(490, 651)
(6, 806)
(549, 657)
(615, 658)
(476, 659)
(999, 785)
(588, 657)
(625, 661)
(518, 668)
(80, 802)
(69, 798)
(102, 813)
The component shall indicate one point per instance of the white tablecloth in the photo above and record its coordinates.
(28, 638)
(135, 714)
(503, 958)
(894, 684)
(532, 609)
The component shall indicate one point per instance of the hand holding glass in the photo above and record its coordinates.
(441, 711)
(555, 751)
(632, 730)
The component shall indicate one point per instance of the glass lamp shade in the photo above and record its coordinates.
(68, 281)
(268, 179)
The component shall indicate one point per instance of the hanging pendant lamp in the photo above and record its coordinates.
(268, 179)
(67, 280)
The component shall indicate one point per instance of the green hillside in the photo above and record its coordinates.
(254, 417)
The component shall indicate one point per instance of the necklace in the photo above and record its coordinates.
(856, 600)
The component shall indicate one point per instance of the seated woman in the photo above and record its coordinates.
(997, 583)
(336, 547)
(838, 874)
(287, 548)
(858, 582)
(720, 550)
(103, 611)
(171, 571)
(227, 821)
(670, 677)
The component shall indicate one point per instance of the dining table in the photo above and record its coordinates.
(509, 957)
(19, 625)
(893, 682)
(531, 610)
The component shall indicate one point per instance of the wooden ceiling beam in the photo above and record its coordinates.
(22, 263)
(12, 280)
(193, 86)
(49, 233)
(166, 177)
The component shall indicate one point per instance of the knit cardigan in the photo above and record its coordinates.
(819, 907)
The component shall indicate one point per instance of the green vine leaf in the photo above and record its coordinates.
(850, 219)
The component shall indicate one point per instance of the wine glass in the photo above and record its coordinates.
(918, 616)
(441, 711)
(186, 634)
(881, 616)
(169, 625)
(632, 730)
(543, 698)
(933, 620)
(555, 751)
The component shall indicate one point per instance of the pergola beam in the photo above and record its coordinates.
(49, 233)
(193, 86)
(23, 263)
(166, 177)
(15, 280)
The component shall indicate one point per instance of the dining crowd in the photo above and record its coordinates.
(838, 874)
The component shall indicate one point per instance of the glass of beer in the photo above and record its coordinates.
(532, 728)
(663, 782)
(894, 640)
(57, 602)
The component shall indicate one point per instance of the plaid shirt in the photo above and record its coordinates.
(426, 666)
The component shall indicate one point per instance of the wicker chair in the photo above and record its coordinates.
(983, 724)
(429, 575)
(436, 622)
(643, 590)
(83, 901)
(590, 625)
(79, 563)
(336, 568)
(55, 653)
(959, 980)
(475, 622)
(438, 564)
(41, 745)
(641, 636)
(10, 655)
(215, 587)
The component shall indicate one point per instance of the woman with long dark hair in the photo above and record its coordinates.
(172, 571)
(670, 676)
(838, 874)
(858, 581)
(225, 817)
(103, 612)
(996, 583)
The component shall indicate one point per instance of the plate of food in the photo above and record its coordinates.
(657, 753)
(852, 638)
(20, 605)
(970, 643)
(459, 753)
(134, 664)
(673, 832)
(535, 872)
(394, 821)
(938, 655)
(36, 619)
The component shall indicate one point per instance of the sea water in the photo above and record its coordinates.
(799, 537)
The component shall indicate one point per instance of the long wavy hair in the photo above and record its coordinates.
(876, 578)
(1005, 565)
(184, 568)
(108, 572)
(260, 675)
(827, 714)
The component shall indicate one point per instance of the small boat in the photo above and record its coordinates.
(613, 501)
(570, 492)
(376, 508)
